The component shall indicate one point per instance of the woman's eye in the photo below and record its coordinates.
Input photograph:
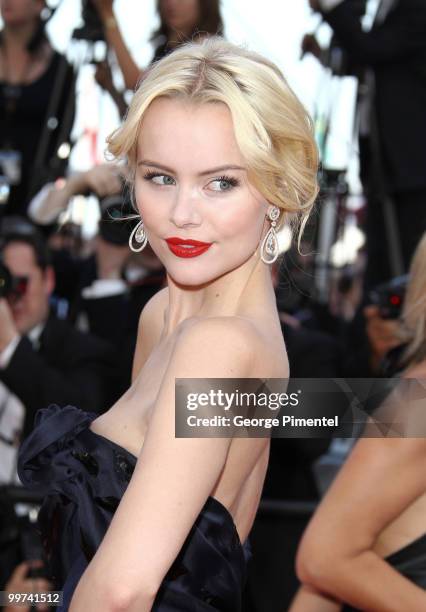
(160, 179)
(223, 184)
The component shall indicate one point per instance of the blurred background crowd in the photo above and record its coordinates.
(71, 291)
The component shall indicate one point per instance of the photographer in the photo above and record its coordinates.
(393, 155)
(37, 98)
(43, 359)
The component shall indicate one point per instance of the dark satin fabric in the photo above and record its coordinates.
(410, 561)
(83, 476)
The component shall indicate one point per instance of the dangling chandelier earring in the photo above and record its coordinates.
(139, 236)
(269, 248)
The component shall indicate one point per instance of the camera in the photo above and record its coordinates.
(389, 297)
(19, 536)
(11, 286)
(117, 218)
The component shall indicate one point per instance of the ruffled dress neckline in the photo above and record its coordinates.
(83, 476)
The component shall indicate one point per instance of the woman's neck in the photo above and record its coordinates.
(17, 64)
(16, 38)
(249, 284)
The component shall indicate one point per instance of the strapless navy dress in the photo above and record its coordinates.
(83, 476)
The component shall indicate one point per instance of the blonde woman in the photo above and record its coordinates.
(413, 320)
(220, 151)
(365, 548)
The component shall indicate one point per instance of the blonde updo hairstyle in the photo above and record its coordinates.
(413, 316)
(272, 128)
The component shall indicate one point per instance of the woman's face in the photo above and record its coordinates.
(180, 15)
(17, 12)
(191, 185)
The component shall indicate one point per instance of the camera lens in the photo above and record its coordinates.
(116, 221)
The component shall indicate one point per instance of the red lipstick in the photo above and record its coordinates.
(187, 248)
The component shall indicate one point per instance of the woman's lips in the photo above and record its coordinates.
(187, 248)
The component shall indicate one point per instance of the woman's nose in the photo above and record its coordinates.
(185, 209)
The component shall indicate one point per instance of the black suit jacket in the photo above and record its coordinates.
(396, 51)
(69, 368)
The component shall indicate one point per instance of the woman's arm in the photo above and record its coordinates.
(308, 599)
(103, 77)
(380, 479)
(131, 72)
(172, 480)
(46, 205)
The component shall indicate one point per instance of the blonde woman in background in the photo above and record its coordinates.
(412, 330)
(365, 547)
(220, 151)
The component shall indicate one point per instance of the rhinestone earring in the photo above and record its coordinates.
(139, 236)
(269, 248)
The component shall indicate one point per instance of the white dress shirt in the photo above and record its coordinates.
(384, 6)
(12, 413)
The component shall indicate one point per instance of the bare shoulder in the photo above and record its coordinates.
(233, 333)
(416, 371)
(382, 454)
(219, 346)
(228, 329)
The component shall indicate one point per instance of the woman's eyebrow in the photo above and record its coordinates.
(221, 169)
(153, 164)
